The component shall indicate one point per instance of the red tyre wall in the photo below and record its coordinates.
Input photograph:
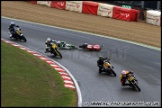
(135, 15)
(121, 13)
(90, 7)
(58, 4)
(34, 2)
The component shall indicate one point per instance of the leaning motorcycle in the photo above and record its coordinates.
(55, 50)
(18, 35)
(108, 68)
(134, 83)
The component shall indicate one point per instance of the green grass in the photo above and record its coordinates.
(29, 81)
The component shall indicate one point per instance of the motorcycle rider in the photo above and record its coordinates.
(61, 43)
(12, 28)
(49, 45)
(100, 63)
(124, 75)
(84, 45)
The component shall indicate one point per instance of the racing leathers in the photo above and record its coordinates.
(124, 76)
(100, 63)
(84, 45)
(12, 29)
(61, 44)
(49, 45)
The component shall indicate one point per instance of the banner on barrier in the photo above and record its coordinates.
(105, 10)
(47, 3)
(74, 6)
(153, 17)
(58, 4)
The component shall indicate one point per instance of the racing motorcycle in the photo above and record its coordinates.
(134, 83)
(91, 47)
(108, 68)
(67, 46)
(18, 35)
(55, 50)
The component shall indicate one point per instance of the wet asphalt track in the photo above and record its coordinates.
(146, 63)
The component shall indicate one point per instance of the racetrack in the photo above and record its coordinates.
(134, 31)
(82, 64)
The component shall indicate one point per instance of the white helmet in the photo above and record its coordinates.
(13, 23)
(48, 39)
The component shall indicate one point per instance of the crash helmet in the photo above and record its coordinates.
(49, 40)
(124, 72)
(12, 23)
(100, 57)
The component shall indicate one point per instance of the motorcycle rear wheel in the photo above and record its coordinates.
(59, 54)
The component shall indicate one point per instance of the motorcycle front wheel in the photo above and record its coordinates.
(113, 72)
(24, 39)
(137, 87)
(59, 54)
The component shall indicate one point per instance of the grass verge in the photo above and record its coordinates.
(29, 81)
